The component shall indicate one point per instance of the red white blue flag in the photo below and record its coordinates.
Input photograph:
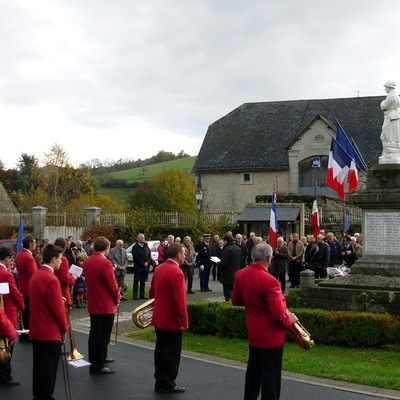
(273, 223)
(314, 220)
(338, 168)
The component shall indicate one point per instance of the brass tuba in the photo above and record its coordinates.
(300, 335)
(142, 314)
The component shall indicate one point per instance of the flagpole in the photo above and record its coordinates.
(354, 148)
(347, 154)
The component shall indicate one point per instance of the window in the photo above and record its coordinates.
(310, 176)
(247, 178)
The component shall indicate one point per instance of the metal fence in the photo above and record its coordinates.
(71, 220)
(354, 215)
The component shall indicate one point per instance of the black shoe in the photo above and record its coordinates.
(144, 298)
(175, 389)
(103, 371)
(109, 360)
(124, 298)
(10, 383)
(208, 290)
(25, 339)
(190, 292)
(136, 298)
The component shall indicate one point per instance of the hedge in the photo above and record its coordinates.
(344, 328)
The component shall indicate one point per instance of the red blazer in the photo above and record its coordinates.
(65, 279)
(6, 327)
(14, 301)
(266, 316)
(169, 291)
(48, 318)
(26, 267)
(102, 288)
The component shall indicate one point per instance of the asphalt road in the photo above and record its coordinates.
(204, 377)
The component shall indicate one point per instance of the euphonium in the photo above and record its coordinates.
(300, 335)
(5, 351)
(142, 315)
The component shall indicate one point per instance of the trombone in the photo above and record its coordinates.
(74, 353)
(113, 343)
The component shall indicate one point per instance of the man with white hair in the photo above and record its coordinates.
(119, 258)
(267, 320)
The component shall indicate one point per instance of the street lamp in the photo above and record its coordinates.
(199, 198)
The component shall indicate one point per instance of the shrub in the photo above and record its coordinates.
(343, 328)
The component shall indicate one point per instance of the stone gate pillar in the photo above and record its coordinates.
(92, 216)
(38, 220)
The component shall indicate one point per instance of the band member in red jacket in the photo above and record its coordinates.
(66, 280)
(266, 320)
(8, 331)
(26, 267)
(48, 322)
(170, 318)
(102, 297)
(13, 302)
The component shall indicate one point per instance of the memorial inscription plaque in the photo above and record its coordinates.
(381, 233)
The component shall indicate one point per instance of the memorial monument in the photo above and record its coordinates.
(374, 282)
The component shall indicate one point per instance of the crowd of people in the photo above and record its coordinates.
(40, 278)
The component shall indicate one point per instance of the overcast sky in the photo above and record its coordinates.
(123, 79)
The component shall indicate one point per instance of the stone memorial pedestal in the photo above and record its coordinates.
(374, 282)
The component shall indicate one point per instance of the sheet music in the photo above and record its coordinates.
(75, 270)
(4, 288)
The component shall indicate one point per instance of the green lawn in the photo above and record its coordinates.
(150, 171)
(372, 367)
(140, 174)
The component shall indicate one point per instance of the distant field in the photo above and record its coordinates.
(149, 172)
(141, 174)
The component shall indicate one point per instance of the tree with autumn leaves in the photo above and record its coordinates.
(169, 191)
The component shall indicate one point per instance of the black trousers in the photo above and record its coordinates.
(227, 291)
(167, 356)
(139, 277)
(99, 337)
(264, 371)
(46, 354)
(281, 277)
(188, 272)
(296, 268)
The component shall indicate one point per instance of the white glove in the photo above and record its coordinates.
(202, 267)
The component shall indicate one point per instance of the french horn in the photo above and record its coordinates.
(300, 335)
(143, 314)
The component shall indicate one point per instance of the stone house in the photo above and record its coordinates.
(281, 146)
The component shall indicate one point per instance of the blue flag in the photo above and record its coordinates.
(20, 234)
(352, 151)
(346, 224)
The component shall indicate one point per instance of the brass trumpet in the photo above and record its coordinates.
(143, 314)
(74, 353)
(300, 335)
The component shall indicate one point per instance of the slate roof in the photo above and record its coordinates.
(256, 136)
(6, 204)
(260, 213)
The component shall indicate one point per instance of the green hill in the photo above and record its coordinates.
(137, 175)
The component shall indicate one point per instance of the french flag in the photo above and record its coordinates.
(314, 221)
(339, 165)
(273, 223)
(352, 153)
